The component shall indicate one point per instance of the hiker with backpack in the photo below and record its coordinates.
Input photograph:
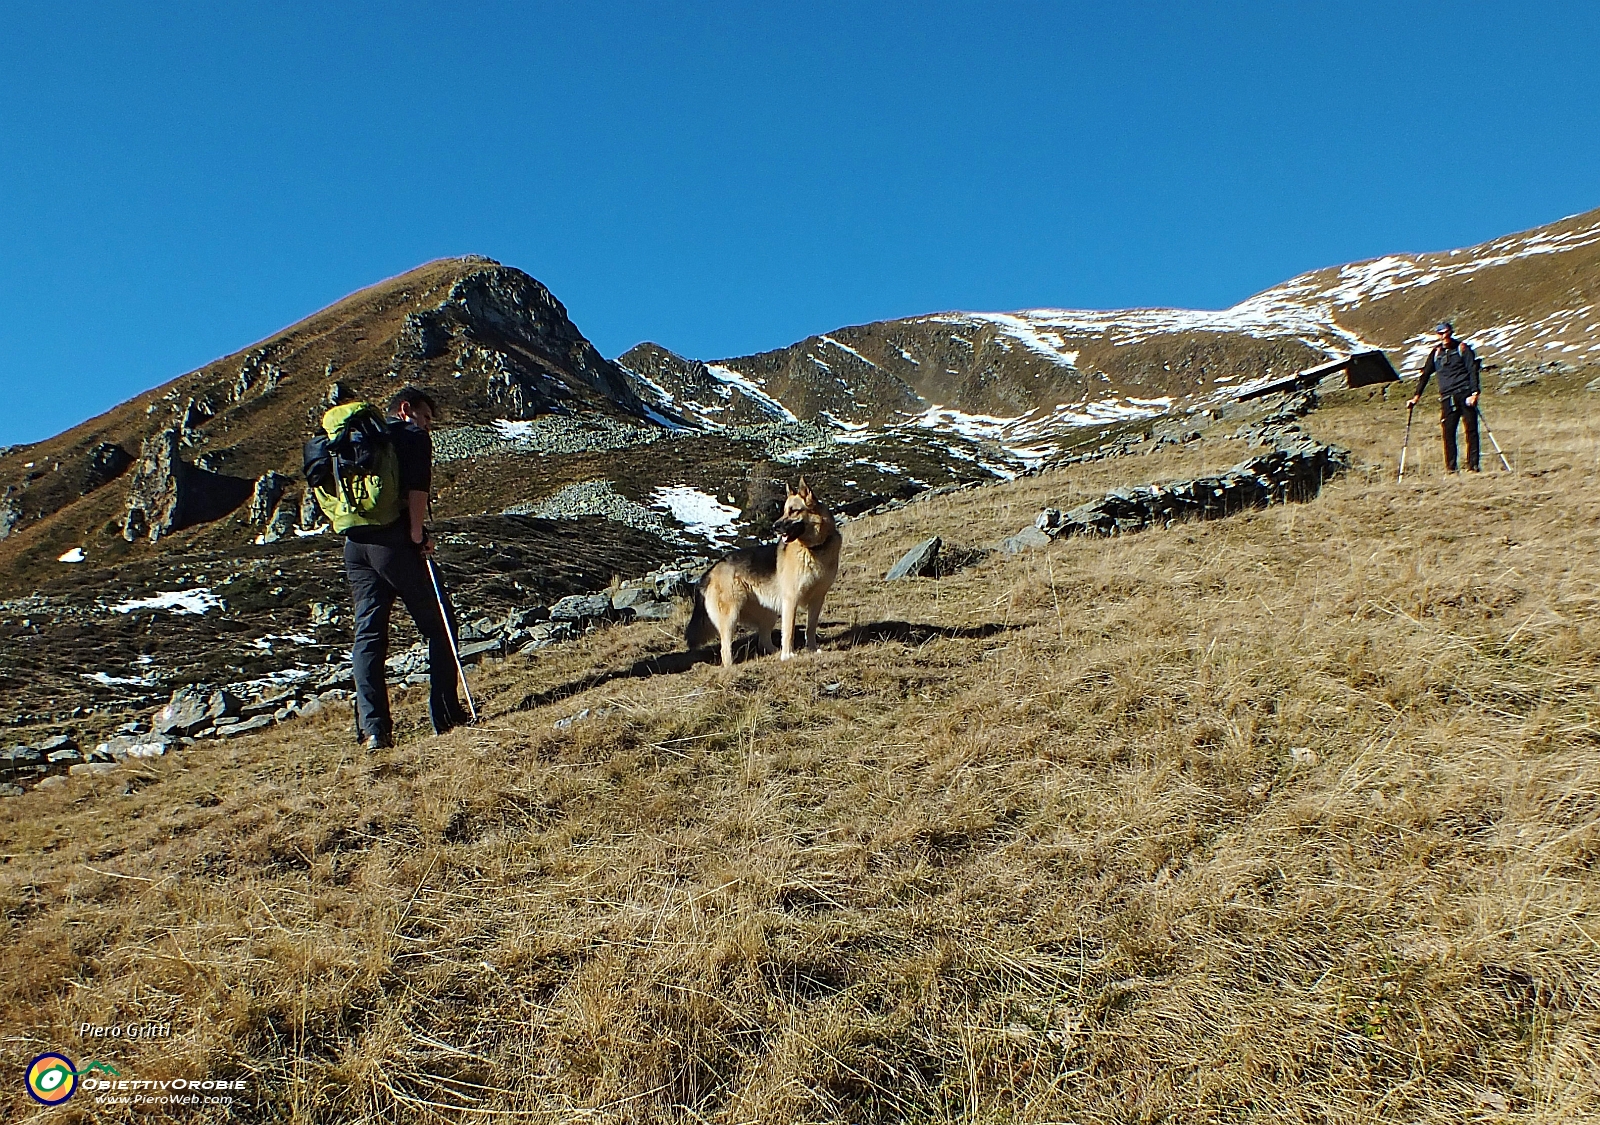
(372, 474)
(1457, 367)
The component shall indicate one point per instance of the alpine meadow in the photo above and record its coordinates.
(1200, 771)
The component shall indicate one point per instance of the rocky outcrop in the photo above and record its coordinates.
(310, 514)
(194, 708)
(264, 496)
(511, 330)
(168, 494)
(282, 522)
(155, 499)
(257, 375)
(193, 415)
(10, 515)
(1290, 473)
(107, 462)
(669, 371)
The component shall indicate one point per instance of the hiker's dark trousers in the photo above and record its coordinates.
(379, 573)
(1453, 409)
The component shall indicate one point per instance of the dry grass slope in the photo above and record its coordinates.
(1291, 817)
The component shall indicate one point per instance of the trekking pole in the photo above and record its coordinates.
(1490, 432)
(1405, 444)
(450, 635)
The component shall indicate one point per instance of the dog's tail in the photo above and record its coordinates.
(700, 631)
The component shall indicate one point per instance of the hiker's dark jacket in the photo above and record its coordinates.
(1457, 367)
(414, 447)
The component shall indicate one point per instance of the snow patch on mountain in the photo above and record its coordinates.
(700, 514)
(201, 600)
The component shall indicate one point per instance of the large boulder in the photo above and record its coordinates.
(919, 562)
(577, 607)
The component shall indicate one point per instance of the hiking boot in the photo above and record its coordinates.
(446, 714)
(376, 742)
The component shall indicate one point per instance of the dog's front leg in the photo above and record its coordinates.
(786, 635)
(813, 615)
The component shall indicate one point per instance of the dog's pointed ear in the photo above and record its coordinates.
(803, 490)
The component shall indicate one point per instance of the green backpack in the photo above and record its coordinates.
(354, 469)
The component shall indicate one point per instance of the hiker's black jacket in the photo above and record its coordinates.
(1457, 367)
(415, 450)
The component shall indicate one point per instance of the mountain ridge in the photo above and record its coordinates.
(959, 393)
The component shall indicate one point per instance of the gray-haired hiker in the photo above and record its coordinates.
(1457, 367)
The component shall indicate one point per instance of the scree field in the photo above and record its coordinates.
(1293, 816)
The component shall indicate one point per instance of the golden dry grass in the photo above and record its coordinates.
(1289, 817)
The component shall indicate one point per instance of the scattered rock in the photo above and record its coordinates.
(323, 613)
(53, 782)
(9, 790)
(919, 562)
(1279, 426)
(633, 597)
(597, 498)
(1303, 756)
(192, 708)
(676, 583)
(266, 705)
(586, 713)
(23, 756)
(523, 618)
(1026, 539)
(248, 726)
(549, 633)
(576, 607)
(125, 746)
(342, 676)
(477, 650)
(92, 769)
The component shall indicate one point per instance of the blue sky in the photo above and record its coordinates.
(178, 181)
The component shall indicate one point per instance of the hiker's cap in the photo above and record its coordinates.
(1443, 326)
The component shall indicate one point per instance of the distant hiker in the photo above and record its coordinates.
(1457, 367)
(374, 487)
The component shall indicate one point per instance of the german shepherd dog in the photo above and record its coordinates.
(762, 586)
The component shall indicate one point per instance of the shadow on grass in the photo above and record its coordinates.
(672, 663)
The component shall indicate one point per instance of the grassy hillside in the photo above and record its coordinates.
(1294, 816)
